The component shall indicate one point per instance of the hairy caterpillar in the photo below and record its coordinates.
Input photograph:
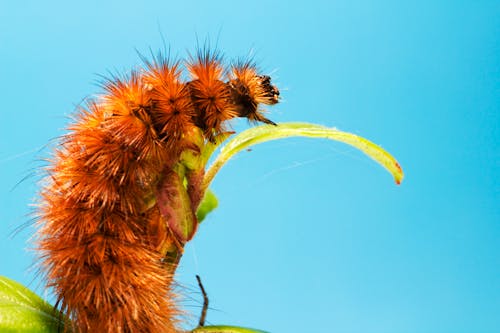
(118, 195)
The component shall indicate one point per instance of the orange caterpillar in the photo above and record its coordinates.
(108, 237)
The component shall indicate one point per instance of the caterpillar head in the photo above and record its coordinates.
(270, 93)
(249, 89)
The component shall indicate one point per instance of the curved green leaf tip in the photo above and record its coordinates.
(225, 329)
(21, 310)
(260, 134)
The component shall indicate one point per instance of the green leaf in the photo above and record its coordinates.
(21, 310)
(207, 205)
(260, 134)
(175, 205)
(225, 329)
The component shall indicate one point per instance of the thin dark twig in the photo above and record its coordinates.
(205, 302)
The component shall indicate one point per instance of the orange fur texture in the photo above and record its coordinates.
(103, 234)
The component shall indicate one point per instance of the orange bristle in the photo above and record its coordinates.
(209, 93)
(173, 111)
(94, 242)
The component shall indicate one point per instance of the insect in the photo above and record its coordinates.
(118, 193)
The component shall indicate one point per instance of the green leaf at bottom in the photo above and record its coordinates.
(21, 310)
(225, 329)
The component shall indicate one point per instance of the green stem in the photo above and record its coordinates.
(260, 134)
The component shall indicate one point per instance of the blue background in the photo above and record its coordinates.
(310, 236)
